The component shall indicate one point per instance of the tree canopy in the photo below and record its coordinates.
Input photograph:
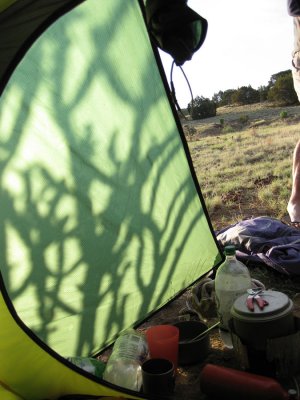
(279, 90)
(202, 107)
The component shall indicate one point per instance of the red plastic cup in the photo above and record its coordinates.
(163, 342)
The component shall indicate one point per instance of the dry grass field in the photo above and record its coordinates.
(243, 160)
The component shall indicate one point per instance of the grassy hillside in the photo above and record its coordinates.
(243, 160)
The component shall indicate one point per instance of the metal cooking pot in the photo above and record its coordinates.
(255, 327)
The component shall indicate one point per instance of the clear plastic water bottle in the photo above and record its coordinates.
(231, 281)
(124, 364)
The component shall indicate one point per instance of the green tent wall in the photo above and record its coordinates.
(102, 218)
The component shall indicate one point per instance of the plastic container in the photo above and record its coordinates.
(124, 364)
(163, 342)
(231, 281)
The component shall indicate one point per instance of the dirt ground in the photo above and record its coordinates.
(187, 382)
(188, 378)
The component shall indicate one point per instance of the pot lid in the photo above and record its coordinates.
(279, 305)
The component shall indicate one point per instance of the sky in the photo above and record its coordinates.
(246, 43)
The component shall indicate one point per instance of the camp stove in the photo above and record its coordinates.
(265, 333)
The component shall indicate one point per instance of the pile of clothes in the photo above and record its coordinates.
(265, 241)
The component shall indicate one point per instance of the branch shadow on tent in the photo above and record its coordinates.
(93, 220)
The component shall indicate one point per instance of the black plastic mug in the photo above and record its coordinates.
(158, 376)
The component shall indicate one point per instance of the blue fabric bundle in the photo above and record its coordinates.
(265, 241)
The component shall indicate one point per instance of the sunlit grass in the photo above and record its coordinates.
(246, 172)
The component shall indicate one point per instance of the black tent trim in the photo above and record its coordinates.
(59, 9)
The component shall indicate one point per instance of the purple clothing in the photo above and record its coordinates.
(293, 8)
(265, 241)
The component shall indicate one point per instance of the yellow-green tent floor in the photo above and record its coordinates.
(30, 371)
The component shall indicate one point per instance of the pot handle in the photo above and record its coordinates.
(255, 284)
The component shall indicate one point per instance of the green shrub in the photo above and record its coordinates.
(201, 108)
(244, 119)
(283, 114)
(228, 129)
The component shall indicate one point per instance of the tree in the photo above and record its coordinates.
(263, 93)
(275, 77)
(223, 98)
(201, 108)
(246, 95)
(227, 97)
(217, 97)
(282, 92)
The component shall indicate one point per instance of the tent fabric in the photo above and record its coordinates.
(30, 371)
(4, 4)
(21, 21)
(102, 217)
(6, 394)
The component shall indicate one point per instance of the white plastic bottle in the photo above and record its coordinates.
(124, 364)
(231, 281)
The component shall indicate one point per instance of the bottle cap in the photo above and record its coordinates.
(230, 250)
